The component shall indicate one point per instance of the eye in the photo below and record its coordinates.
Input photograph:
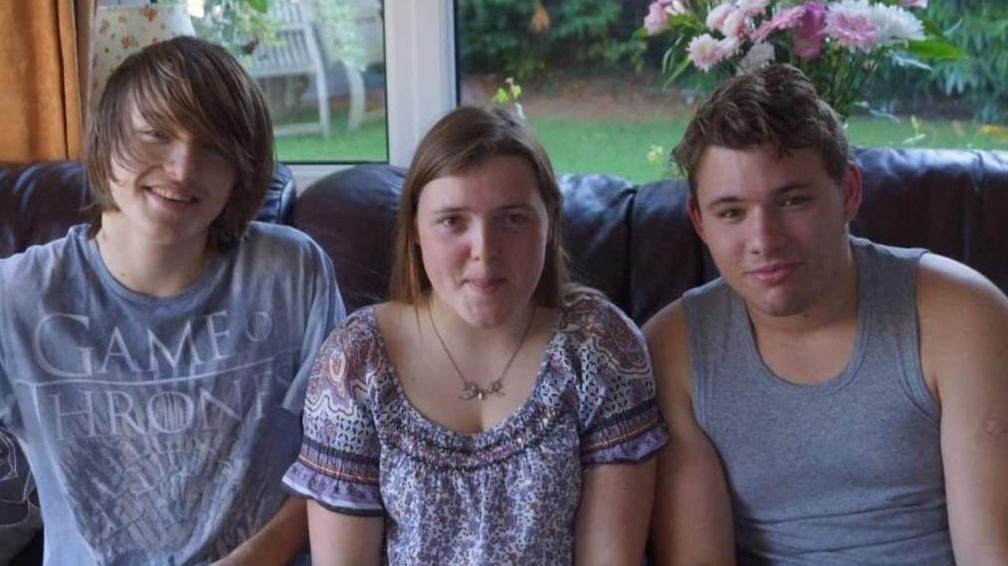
(515, 219)
(729, 213)
(450, 221)
(794, 200)
(153, 135)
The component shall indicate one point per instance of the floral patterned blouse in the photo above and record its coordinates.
(507, 495)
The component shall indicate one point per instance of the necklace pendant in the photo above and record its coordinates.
(496, 389)
(471, 391)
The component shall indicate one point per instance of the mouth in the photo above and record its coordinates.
(485, 284)
(171, 195)
(774, 273)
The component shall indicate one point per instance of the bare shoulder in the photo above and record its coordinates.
(397, 323)
(947, 289)
(666, 335)
(963, 323)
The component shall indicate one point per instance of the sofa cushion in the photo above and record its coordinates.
(953, 202)
(40, 201)
(667, 257)
(596, 232)
(351, 214)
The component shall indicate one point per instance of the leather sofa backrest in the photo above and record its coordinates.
(636, 244)
(40, 201)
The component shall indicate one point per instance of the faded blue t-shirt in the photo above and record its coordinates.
(158, 429)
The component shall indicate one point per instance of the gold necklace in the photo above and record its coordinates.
(470, 389)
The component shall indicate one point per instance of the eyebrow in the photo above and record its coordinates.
(506, 207)
(784, 189)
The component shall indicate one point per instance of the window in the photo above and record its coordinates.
(320, 64)
(595, 97)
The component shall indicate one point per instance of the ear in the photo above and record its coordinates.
(851, 191)
(695, 217)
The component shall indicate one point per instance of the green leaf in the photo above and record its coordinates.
(935, 49)
(931, 29)
(907, 60)
(689, 21)
(641, 34)
(501, 96)
(671, 77)
(259, 5)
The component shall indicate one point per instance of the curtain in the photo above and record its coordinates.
(45, 48)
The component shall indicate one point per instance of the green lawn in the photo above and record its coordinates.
(620, 147)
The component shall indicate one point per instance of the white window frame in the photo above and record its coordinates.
(420, 78)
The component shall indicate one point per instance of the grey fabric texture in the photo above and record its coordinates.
(848, 471)
(158, 429)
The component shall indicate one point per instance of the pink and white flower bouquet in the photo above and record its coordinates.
(838, 44)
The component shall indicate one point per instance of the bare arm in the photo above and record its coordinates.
(692, 522)
(278, 542)
(964, 351)
(612, 520)
(338, 539)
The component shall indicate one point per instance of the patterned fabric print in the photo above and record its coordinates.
(338, 464)
(508, 495)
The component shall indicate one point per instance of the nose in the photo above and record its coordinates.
(484, 241)
(766, 232)
(181, 158)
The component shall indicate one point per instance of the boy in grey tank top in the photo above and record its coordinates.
(153, 364)
(830, 400)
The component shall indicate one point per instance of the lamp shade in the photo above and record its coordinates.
(122, 30)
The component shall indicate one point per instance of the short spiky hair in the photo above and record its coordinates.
(775, 106)
(462, 139)
(192, 86)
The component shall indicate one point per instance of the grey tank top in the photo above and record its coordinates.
(844, 472)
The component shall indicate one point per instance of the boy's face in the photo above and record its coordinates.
(775, 226)
(173, 191)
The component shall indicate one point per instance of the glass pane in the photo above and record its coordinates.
(320, 64)
(593, 90)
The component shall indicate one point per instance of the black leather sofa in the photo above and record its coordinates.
(634, 243)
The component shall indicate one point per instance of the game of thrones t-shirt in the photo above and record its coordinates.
(158, 429)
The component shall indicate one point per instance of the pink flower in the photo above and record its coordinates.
(807, 38)
(785, 19)
(848, 23)
(717, 16)
(705, 52)
(913, 3)
(657, 18)
(735, 24)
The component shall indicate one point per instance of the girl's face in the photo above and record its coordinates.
(482, 234)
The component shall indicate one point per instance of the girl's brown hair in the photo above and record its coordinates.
(463, 138)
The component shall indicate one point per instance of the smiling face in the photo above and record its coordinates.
(775, 226)
(171, 189)
(482, 234)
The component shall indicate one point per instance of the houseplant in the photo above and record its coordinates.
(838, 44)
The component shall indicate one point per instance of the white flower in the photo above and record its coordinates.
(895, 24)
(716, 17)
(704, 51)
(760, 55)
(676, 7)
(734, 24)
(752, 7)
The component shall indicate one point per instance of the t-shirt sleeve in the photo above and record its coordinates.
(338, 462)
(620, 421)
(326, 310)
